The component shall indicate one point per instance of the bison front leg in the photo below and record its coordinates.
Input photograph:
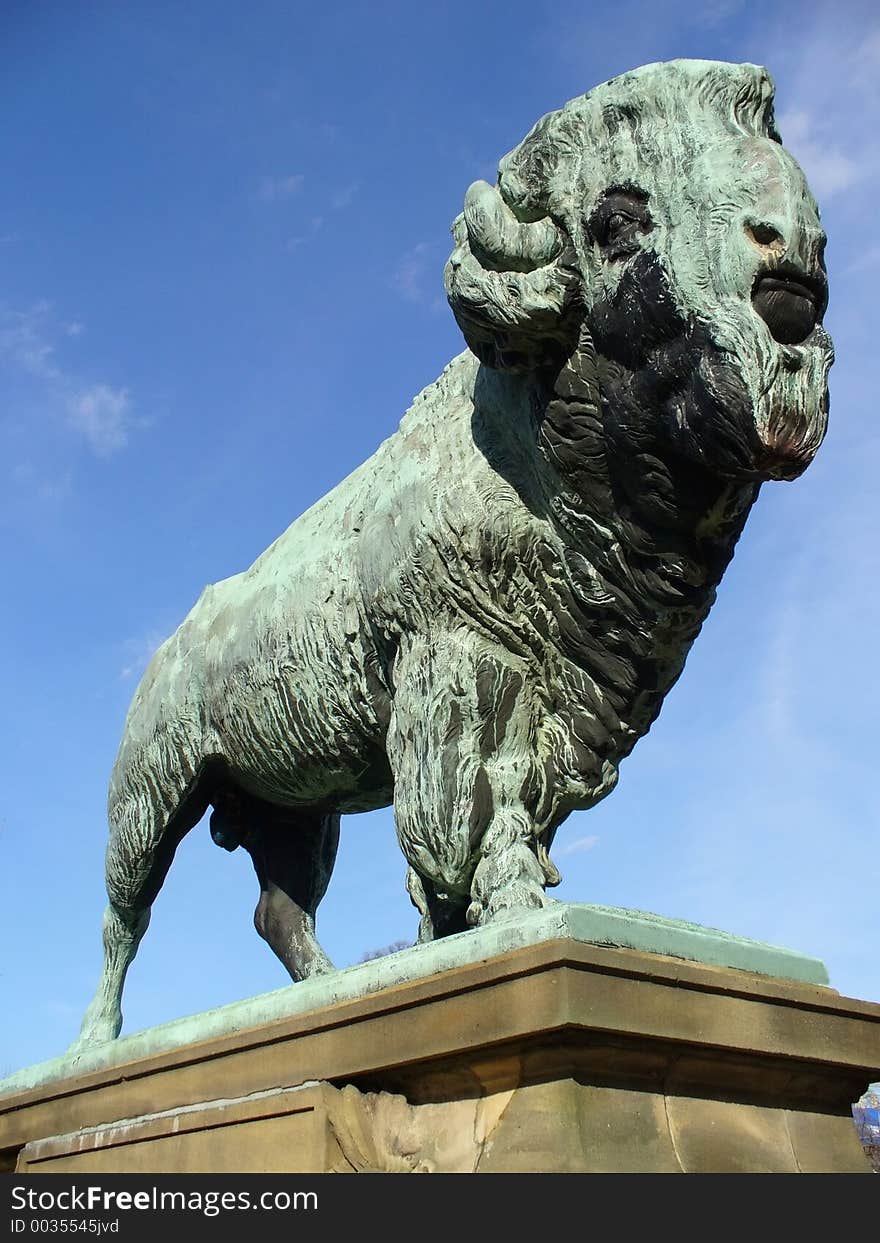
(462, 747)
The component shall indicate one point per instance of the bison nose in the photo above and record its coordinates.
(789, 301)
(789, 298)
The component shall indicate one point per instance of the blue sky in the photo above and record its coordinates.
(222, 232)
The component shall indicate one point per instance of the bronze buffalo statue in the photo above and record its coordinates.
(480, 622)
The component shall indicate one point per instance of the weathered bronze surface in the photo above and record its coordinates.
(485, 617)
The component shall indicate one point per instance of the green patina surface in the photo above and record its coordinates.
(484, 618)
(592, 925)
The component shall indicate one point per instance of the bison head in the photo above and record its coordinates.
(656, 230)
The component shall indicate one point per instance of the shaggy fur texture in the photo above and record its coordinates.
(483, 619)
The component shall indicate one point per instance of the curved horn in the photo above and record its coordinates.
(501, 241)
(511, 320)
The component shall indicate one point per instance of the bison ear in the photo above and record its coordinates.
(509, 287)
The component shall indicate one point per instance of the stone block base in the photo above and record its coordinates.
(553, 1057)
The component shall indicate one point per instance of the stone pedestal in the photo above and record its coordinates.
(549, 1057)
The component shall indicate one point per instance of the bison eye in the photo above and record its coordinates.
(619, 220)
(616, 224)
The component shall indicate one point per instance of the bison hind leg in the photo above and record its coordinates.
(142, 844)
(293, 851)
(121, 931)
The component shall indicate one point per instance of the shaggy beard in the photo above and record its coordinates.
(756, 409)
(792, 417)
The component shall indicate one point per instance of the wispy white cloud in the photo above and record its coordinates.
(417, 276)
(716, 12)
(828, 72)
(48, 489)
(828, 167)
(102, 415)
(407, 277)
(99, 412)
(578, 847)
(866, 62)
(138, 652)
(345, 197)
(338, 202)
(24, 341)
(299, 239)
(868, 258)
(284, 187)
